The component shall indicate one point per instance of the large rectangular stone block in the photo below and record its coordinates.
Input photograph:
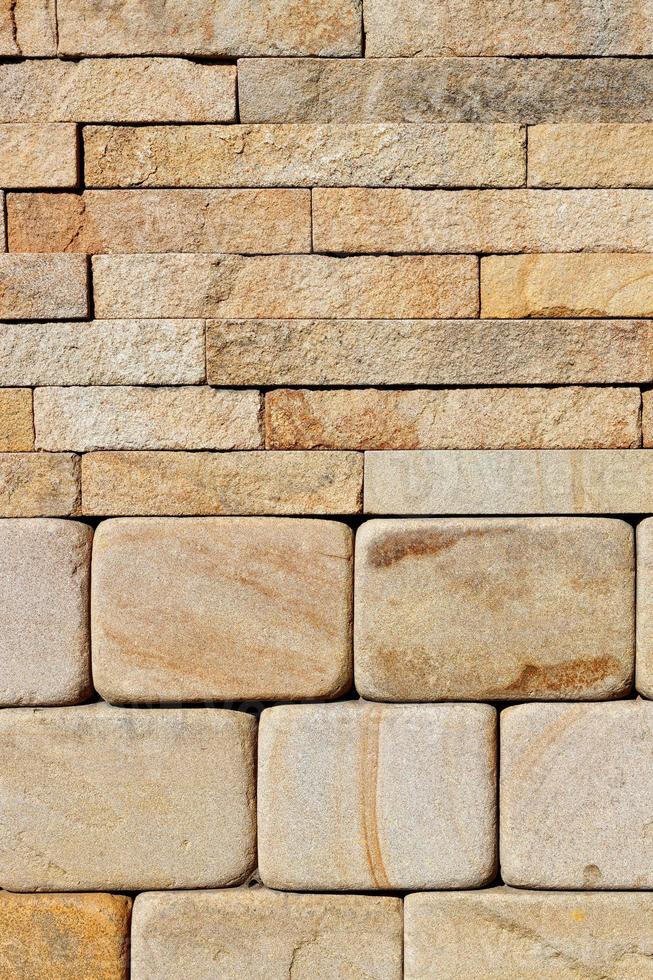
(38, 155)
(577, 155)
(39, 287)
(28, 28)
(16, 420)
(39, 484)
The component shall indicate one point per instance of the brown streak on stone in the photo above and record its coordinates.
(415, 544)
(369, 771)
(558, 678)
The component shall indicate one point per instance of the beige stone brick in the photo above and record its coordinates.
(503, 933)
(514, 609)
(577, 155)
(85, 419)
(39, 484)
(266, 935)
(258, 221)
(285, 286)
(577, 795)
(647, 418)
(38, 155)
(37, 287)
(45, 570)
(416, 155)
(71, 936)
(264, 612)
(126, 799)
(176, 483)
(28, 28)
(364, 220)
(428, 352)
(400, 813)
(567, 285)
(459, 418)
(16, 422)
(644, 661)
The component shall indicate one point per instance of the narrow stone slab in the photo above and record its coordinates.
(126, 799)
(39, 484)
(473, 610)
(402, 813)
(38, 155)
(261, 934)
(40, 287)
(504, 933)
(28, 28)
(16, 422)
(576, 155)
(644, 662)
(264, 612)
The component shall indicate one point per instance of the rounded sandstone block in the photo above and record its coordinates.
(644, 659)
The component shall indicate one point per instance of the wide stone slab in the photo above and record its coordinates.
(41, 287)
(126, 799)
(576, 155)
(16, 421)
(39, 484)
(355, 796)
(469, 609)
(644, 671)
(33, 155)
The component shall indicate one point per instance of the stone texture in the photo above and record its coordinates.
(45, 571)
(73, 936)
(211, 27)
(264, 935)
(502, 933)
(39, 484)
(427, 352)
(84, 419)
(364, 220)
(258, 221)
(606, 481)
(644, 662)
(264, 612)
(175, 483)
(459, 418)
(356, 796)
(38, 287)
(302, 156)
(285, 286)
(567, 285)
(647, 418)
(16, 423)
(577, 795)
(38, 155)
(501, 610)
(28, 28)
(126, 799)
(576, 155)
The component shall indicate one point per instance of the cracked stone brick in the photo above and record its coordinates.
(38, 155)
(28, 28)
(576, 155)
(39, 484)
(39, 287)
(16, 422)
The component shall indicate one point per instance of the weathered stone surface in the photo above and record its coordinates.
(45, 570)
(364, 220)
(472, 609)
(522, 481)
(644, 662)
(576, 155)
(264, 612)
(258, 221)
(38, 155)
(16, 422)
(502, 933)
(401, 813)
(126, 799)
(176, 483)
(593, 763)
(302, 156)
(284, 286)
(429, 352)
(34, 287)
(104, 352)
(567, 285)
(71, 936)
(264, 935)
(28, 28)
(39, 484)
(104, 90)
(84, 419)
(459, 418)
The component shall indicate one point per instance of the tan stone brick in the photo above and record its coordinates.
(285, 286)
(258, 221)
(402, 812)
(515, 609)
(28, 28)
(265, 935)
(71, 936)
(39, 484)
(16, 422)
(38, 155)
(576, 155)
(37, 287)
(264, 612)
(416, 155)
(644, 661)
(176, 483)
(460, 418)
(126, 799)
(567, 285)
(592, 762)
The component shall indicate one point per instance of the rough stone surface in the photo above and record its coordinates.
(567, 285)
(459, 418)
(73, 936)
(284, 286)
(39, 484)
(577, 795)
(264, 612)
(84, 419)
(38, 287)
(264, 935)
(644, 663)
(647, 418)
(16, 423)
(161, 221)
(28, 28)
(472, 609)
(45, 571)
(38, 155)
(117, 483)
(303, 156)
(502, 933)
(575, 155)
(126, 799)
(401, 812)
